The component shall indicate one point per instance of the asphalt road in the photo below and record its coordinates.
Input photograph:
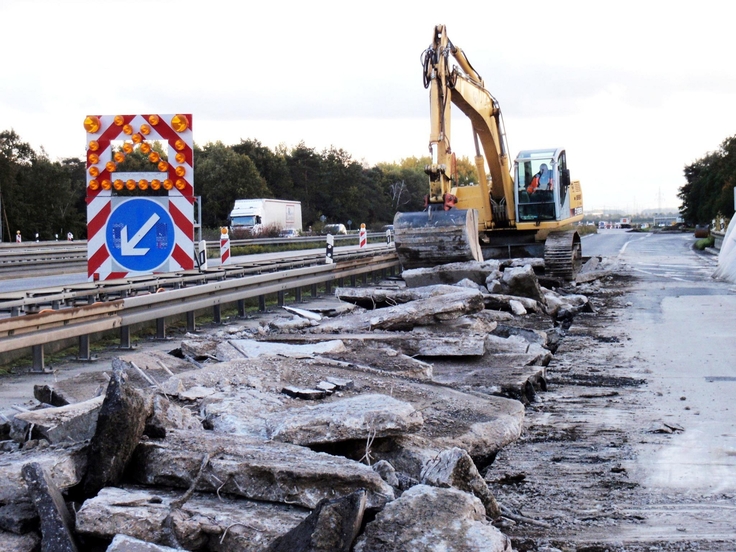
(646, 458)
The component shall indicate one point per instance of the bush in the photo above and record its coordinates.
(705, 242)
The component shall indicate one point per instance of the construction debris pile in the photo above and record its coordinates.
(363, 424)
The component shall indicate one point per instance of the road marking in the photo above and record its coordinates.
(621, 252)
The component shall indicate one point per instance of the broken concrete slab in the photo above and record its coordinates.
(73, 423)
(522, 282)
(205, 521)
(331, 527)
(454, 468)
(372, 298)
(18, 517)
(124, 543)
(426, 519)
(166, 416)
(499, 301)
(30, 542)
(450, 273)
(65, 464)
(57, 525)
(572, 303)
(359, 417)
(304, 313)
(49, 395)
(243, 466)
(120, 425)
(304, 394)
(250, 348)
(288, 325)
(405, 316)
(480, 424)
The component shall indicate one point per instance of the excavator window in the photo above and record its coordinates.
(537, 178)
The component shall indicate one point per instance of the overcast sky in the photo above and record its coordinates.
(634, 90)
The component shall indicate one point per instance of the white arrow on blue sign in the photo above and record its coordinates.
(140, 234)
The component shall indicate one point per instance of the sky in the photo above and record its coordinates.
(633, 90)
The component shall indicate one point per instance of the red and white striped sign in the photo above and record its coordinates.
(175, 175)
(362, 237)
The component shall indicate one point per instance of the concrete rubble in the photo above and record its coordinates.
(361, 425)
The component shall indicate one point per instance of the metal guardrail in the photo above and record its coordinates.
(156, 298)
(64, 257)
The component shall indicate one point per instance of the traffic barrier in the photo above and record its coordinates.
(362, 237)
(329, 253)
(224, 245)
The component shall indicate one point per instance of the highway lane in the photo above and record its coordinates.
(33, 281)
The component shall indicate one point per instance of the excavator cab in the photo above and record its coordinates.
(542, 181)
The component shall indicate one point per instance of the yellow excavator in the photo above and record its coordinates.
(502, 215)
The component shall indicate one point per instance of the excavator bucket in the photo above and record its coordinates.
(431, 238)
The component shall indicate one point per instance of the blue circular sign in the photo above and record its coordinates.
(140, 234)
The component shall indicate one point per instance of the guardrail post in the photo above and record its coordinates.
(328, 287)
(84, 350)
(261, 303)
(217, 313)
(314, 290)
(352, 280)
(340, 282)
(125, 337)
(364, 278)
(38, 361)
(160, 328)
(280, 298)
(241, 308)
(191, 325)
(298, 295)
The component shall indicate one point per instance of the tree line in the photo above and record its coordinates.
(45, 197)
(709, 189)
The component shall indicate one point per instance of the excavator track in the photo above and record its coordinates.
(562, 255)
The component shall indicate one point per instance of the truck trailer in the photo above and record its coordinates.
(257, 215)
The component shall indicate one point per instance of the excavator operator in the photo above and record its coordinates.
(542, 180)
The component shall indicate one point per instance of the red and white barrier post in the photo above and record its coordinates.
(362, 237)
(224, 245)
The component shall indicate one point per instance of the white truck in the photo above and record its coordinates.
(257, 215)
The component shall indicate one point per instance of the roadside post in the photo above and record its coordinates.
(224, 245)
(362, 237)
(329, 253)
(202, 256)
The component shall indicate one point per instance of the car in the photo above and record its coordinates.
(334, 229)
(388, 228)
(289, 233)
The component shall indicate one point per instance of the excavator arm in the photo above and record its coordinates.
(462, 86)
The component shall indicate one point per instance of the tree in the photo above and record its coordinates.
(16, 157)
(709, 191)
(221, 176)
(272, 166)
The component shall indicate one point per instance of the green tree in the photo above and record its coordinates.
(709, 188)
(221, 176)
(16, 157)
(272, 166)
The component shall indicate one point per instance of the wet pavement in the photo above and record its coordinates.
(634, 445)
